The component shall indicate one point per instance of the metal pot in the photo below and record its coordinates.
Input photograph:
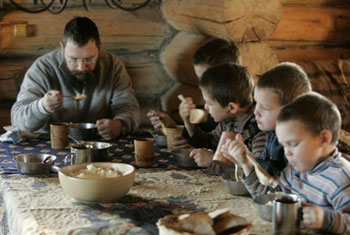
(183, 159)
(33, 163)
(83, 131)
(99, 150)
(159, 138)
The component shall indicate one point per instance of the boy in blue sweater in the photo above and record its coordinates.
(308, 129)
(275, 88)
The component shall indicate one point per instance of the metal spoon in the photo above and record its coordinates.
(74, 139)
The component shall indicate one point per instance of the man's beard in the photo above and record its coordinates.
(82, 76)
(79, 76)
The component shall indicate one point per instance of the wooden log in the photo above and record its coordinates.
(170, 102)
(143, 30)
(148, 80)
(312, 30)
(302, 50)
(177, 57)
(258, 57)
(235, 20)
(12, 71)
(313, 23)
(147, 75)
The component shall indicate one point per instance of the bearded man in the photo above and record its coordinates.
(79, 69)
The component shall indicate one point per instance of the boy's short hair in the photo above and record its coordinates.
(80, 30)
(315, 112)
(287, 80)
(215, 52)
(229, 83)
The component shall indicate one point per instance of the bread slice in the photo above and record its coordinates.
(229, 223)
(189, 223)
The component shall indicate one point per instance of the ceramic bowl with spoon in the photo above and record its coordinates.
(196, 115)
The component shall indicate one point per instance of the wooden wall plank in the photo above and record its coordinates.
(292, 51)
(144, 30)
(313, 30)
(238, 20)
(311, 24)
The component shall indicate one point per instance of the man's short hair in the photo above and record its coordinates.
(215, 52)
(229, 83)
(287, 80)
(81, 30)
(315, 112)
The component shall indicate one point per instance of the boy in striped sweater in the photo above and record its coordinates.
(308, 129)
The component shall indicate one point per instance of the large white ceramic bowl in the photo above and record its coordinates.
(100, 190)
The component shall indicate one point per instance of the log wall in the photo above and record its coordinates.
(157, 42)
(312, 30)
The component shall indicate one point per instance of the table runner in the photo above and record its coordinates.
(123, 151)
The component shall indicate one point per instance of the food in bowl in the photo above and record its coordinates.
(93, 172)
(80, 96)
(97, 190)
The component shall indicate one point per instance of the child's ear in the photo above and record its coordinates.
(326, 137)
(232, 107)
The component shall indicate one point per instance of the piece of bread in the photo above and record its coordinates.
(219, 213)
(186, 223)
(230, 222)
(219, 221)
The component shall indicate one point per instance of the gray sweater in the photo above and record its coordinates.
(109, 94)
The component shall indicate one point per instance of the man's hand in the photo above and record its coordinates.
(108, 128)
(52, 101)
(312, 216)
(202, 157)
(154, 116)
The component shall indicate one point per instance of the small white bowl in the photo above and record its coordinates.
(100, 190)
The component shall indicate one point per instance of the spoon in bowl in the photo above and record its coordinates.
(196, 115)
(74, 139)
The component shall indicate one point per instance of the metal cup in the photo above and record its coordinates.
(286, 215)
(80, 153)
